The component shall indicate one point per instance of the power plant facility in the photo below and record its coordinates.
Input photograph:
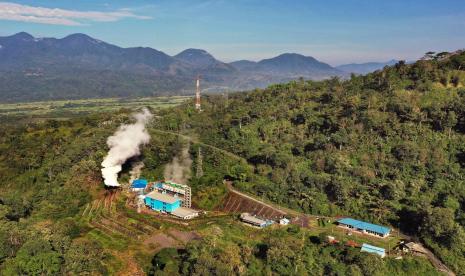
(181, 191)
(166, 197)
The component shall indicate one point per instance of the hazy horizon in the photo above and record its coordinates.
(340, 32)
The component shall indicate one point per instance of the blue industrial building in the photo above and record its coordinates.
(139, 184)
(373, 249)
(365, 227)
(162, 202)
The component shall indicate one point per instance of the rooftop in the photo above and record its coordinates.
(183, 212)
(373, 249)
(251, 219)
(176, 185)
(139, 183)
(365, 225)
(162, 197)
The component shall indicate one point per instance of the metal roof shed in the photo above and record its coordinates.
(139, 184)
(246, 217)
(373, 249)
(185, 213)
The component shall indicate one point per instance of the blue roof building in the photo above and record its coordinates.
(139, 184)
(162, 202)
(365, 227)
(373, 249)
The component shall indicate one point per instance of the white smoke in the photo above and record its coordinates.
(135, 171)
(179, 170)
(124, 144)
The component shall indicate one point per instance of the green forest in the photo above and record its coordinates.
(387, 147)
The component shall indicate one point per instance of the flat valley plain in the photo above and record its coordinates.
(66, 109)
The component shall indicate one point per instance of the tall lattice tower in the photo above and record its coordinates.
(197, 95)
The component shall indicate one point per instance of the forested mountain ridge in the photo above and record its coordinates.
(79, 66)
(289, 64)
(365, 68)
(25, 52)
(388, 147)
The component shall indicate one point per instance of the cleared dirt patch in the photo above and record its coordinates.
(184, 237)
(302, 221)
(160, 241)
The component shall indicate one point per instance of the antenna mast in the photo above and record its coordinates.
(197, 95)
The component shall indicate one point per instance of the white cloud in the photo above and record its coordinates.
(18, 12)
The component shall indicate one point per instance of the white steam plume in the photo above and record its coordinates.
(179, 170)
(124, 144)
(135, 171)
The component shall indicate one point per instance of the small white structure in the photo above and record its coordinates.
(373, 250)
(254, 221)
(185, 213)
(284, 221)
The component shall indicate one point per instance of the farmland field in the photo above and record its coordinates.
(65, 109)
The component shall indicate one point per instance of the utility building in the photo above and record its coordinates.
(162, 202)
(373, 249)
(254, 221)
(139, 185)
(185, 213)
(364, 227)
(181, 191)
(166, 203)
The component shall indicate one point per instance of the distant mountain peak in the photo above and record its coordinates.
(290, 55)
(22, 36)
(78, 37)
(294, 55)
(198, 57)
(193, 54)
(193, 51)
(295, 64)
(365, 68)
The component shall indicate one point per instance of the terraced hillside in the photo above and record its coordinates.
(237, 202)
(126, 233)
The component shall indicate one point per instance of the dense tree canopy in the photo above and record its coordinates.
(388, 147)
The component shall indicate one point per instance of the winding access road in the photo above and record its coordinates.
(437, 263)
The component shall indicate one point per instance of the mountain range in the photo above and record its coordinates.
(365, 68)
(79, 66)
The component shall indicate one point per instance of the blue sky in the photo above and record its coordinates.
(334, 31)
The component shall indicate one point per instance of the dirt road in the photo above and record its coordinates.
(302, 219)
